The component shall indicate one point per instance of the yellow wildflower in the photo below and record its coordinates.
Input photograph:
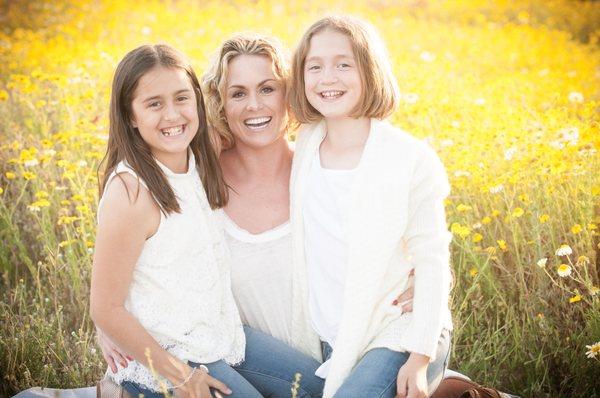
(10, 175)
(592, 227)
(576, 228)
(3, 95)
(41, 194)
(495, 213)
(582, 260)
(28, 175)
(477, 238)
(544, 218)
(486, 220)
(1, 191)
(502, 245)
(473, 272)
(575, 299)
(462, 208)
(518, 212)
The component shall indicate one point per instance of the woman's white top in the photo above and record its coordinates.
(181, 291)
(326, 246)
(261, 277)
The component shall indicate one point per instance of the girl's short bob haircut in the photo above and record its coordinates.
(214, 81)
(380, 90)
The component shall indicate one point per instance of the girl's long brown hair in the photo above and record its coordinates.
(125, 142)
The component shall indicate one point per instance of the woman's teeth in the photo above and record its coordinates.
(257, 122)
(331, 94)
(172, 131)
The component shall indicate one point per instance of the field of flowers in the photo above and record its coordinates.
(508, 92)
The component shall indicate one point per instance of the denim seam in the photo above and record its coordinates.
(283, 379)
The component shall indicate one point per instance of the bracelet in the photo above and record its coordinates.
(188, 378)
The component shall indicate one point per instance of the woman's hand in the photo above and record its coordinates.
(412, 377)
(199, 386)
(111, 353)
(405, 299)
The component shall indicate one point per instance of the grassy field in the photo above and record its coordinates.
(508, 92)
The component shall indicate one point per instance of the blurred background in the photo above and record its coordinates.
(507, 92)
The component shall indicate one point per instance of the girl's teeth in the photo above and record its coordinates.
(173, 131)
(331, 94)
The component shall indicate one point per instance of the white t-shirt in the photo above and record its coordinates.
(261, 277)
(325, 214)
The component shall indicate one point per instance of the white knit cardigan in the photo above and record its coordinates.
(397, 222)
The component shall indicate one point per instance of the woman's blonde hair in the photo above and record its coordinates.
(380, 90)
(214, 81)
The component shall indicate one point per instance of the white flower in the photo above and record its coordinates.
(542, 262)
(49, 152)
(31, 163)
(410, 98)
(461, 173)
(593, 350)
(563, 270)
(509, 153)
(146, 31)
(426, 56)
(480, 101)
(82, 163)
(455, 124)
(497, 188)
(575, 97)
(564, 250)
(569, 135)
(447, 143)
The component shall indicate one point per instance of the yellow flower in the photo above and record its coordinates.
(576, 228)
(3, 95)
(486, 220)
(28, 175)
(477, 238)
(10, 175)
(1, 191)
(575, 299)
(502, 245)
(591, 226)
(89, 243)
(544, 218)
(491, 250)
(563, 270)
(582, 260)
(518, 212)
(495, 213)
(65, 202)
(594, 290)
(473, 272)
(460, 230)
(462, 208)
(41, 194)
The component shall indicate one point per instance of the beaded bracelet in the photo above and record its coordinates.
(188, 378)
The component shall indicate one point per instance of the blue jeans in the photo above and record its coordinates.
(374, 376)
(271, 367)
(269, 370)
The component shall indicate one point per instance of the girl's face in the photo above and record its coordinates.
(332, 81)
(165, 112)
(255, 105)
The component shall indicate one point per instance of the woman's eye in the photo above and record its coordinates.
(267, 90)
(182, 98)
(343, 65)
(237, 94)
(314, 67)
(154, 104)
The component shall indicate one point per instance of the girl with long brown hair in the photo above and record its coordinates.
(160, 279)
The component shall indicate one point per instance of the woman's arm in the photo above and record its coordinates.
(126, 221)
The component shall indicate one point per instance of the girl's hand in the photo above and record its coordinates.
(405, 299)
(199, 386)
(412, 377)
(111, 353)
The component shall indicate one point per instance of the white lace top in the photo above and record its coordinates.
(261, 277)
(181, 289)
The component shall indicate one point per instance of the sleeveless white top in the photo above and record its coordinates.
(261, 277)
(181, 289)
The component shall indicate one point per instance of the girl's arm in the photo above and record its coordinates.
(124, 225)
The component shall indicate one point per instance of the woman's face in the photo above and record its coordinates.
(255, 105)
